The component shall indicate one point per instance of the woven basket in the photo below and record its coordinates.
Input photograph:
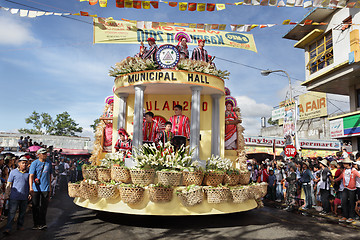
(74, 189)
(142, 176)
(160, 194)
(192, 197)
(251, 191)
(264, 187)
(258, 191)
(132, 195)
(239, 195)
(108, 191)
(213, 178)
(104, 174)
(231, 179)
(244, 178)
(89, 174)
(88, 190)
(217, 195)
(120, 174)
(169, 178)
(190, 178)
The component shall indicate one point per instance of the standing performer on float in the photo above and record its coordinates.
(182, 47)
(180, 127)
(150, 128)
(151, 53)
(199, 53)
(124, 143)
(107, 117)
(231, 120)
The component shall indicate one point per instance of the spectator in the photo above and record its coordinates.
(17, 190)
(26, 142)
(280, 175)
(20, 144)
(348, 177)
(344, 153)
(40, 188)
(63, 171)
(30, 142)
(291, 189)
(305, 180)
(272, 185)
(79, 164)
(324, 186)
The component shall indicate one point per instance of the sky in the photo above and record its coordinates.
(49, 63)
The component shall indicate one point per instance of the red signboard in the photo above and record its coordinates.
(290, 151)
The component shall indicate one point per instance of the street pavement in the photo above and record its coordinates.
(67, 221)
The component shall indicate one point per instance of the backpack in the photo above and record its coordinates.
(61, 168)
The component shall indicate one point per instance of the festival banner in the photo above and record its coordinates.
(312, 105)
(116, 31)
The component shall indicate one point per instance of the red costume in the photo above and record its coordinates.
(150, 131)
(180, 125)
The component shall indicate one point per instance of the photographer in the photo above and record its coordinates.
(40, 188)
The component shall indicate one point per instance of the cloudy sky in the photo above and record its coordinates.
(49, 64)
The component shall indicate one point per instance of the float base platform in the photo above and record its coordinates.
(172, 208)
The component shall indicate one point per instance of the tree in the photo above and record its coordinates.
(43, 123)
(271, 122)
(64, 125)
(95, 124)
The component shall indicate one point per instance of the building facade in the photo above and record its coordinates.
(330, 39)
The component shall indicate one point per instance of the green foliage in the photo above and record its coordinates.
(44, 124)
(271, 122)
(96, 123)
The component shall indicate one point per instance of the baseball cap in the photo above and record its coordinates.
(41, 151)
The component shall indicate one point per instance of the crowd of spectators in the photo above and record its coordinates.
(330, 185)
(52, 168)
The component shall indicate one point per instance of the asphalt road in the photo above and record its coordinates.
(68, 221)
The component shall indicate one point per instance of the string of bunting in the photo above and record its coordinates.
(190, 6)
(152, 25)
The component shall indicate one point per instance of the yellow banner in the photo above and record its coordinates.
(126, 32)
(169, 76)
(312, 105)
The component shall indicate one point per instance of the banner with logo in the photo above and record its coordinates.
(115, 31)
(278, 113)
(345, 127)
(289, 118)
(312, 105)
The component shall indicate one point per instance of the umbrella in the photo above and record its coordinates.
(33, 148)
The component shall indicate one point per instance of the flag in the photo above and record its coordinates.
(308, 4)
(255, 2)
(247, 2)
(214, 26)
(40, 13)
(60, 14)
(210, 7)
(264, 2)
(263, 26)
(207, 27)
(239, 3)
(201, 7)
(220, 7)
(286, 22)
(120, 3)
(272, 2)
(93, 2)
(148, 24)
(103, 3)
(192, 25)
(192, 7)
(200, 26)
(155, 4)
(84, 13)
(23, 13)
(140, 24)
(222, 26)
(137, 4)
(49, 13)
(281, 3)
(253, 26)
(299, 3)
(14, 11)
(173, 4)
(233, 27)
(307, 22)
(128, 3)
(155, 24)
(145, 4)
(290, 3)
(182, 6)
(32, 14)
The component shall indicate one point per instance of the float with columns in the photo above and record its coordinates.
(132, 173)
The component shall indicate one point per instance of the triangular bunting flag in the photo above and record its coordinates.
(23, 13)
(214, 26)
(93, 2)
(192, 25)
(286, 22)
(201, 7)
(222, 26)
(182, 6)
(84, 13)
(14, 11)
(173, 4)
(146, 4)
(290, 3)
(120, 3)
(299, 3)
(103, 3)
(264, 2)
(220, 7)
(210, 7)
(32, 14)
(308, 4)
(233, 27)
(128, 4)
(200, 26)
(39, 13)
(281, 3)
(137, 4)
(255, 2)
(155, 24)
(155, 4)
(192, 7)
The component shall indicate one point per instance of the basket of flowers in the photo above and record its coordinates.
(215, 170)
(142, 176)
(239, 194)
(219, 194)
(169, 177)
(214, 177)
(89, 172)
(251, 188)
(108, 190)
(103, 174)
(232, 177)
(160, 193)
(88, 189)
(191, 195)
(74, 189)
(120, 174)
(116, 162)
(244, 177)
(194, 177)
(131, 193)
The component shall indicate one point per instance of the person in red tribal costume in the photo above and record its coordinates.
(150, 128)
(180, 127)
(124, 143)
(199, 53)
(107, 118)
(182, 47)
(151, 53)
(165, 135)
(231, 120)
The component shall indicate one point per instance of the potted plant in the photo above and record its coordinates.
(215, 170)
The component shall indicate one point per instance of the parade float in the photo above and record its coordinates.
(207, 175)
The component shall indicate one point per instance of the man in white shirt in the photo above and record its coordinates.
(63, 170)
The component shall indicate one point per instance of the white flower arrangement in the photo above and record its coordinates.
(113, 158)
(202, 67)
(216, 163)
(132, 64)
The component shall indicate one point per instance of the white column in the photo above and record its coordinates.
(138, 115)
(195, 121)
(215, 125)
(122, 110)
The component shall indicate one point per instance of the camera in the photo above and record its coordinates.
(37, 181)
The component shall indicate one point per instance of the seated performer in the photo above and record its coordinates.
(150, 128)
(124, 143)
(231, 120)
(151, 53)
(165, 135)
(180, 127)
(182, 47)
(199, 53)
